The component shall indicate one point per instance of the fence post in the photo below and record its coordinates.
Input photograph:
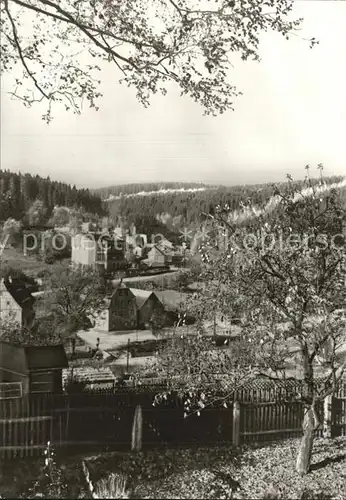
(327, 416)
(236, 423)
(137, 430)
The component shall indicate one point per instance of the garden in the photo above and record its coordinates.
(259, 471)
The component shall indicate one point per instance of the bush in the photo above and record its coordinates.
(51, 482)
(114, 486)
(74, 386)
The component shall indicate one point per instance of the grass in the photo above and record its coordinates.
(29, 264)
(15, 258)
(262, 471)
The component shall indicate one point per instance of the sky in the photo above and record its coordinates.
(292, 113)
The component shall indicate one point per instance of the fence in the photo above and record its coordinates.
(104, 421)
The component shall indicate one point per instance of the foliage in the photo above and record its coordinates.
(216, 472)
(202, 374)
(187, 43)
(51, 482)
(32, 199)
(60, 216)
(288, 293)
(42, 333)
(189, 206)
(112, 487)
(74, 296)
(73, 386)
(186, 277)
(11, 230)
(36, 213)
(157, 321)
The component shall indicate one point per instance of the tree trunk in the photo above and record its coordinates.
(305, 451)
(327, 420)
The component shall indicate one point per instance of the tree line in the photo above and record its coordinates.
(188, 207)
(18, 192)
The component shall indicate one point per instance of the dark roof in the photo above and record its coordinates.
(19, 291)
(46, 357)
(22, 360)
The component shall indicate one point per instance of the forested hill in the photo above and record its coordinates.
(112, 192)
(19, 191)
(186, 206)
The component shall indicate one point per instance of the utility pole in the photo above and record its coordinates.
(128, 356)
(184, 248)
(214, 327)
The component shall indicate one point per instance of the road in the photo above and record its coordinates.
(117, 340)
(151, 277)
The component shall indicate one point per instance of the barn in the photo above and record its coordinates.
(120, 312)
(148, 307)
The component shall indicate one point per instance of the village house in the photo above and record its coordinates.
(148, 306)
(131, 237)
(16, 303)
(130, 309)
(120, 311)
(100, 251)
(167, 247)
(154, 257)
(37, 368)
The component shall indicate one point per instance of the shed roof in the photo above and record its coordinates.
(46, 357)
(24, 359)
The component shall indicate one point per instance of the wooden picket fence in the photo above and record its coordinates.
(24, 431)
(104, 421)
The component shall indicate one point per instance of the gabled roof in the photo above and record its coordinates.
(19, 291)
(120, 286)
(171, 299)
(141, 296)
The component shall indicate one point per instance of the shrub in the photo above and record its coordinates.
(74, 386)
(114, 486)
(51, 482)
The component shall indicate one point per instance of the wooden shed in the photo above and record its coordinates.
(38, 368)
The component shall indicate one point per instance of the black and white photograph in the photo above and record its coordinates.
(173, 249)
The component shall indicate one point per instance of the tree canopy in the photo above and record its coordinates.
(33, 199)
(60, 46)
(286, 276)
